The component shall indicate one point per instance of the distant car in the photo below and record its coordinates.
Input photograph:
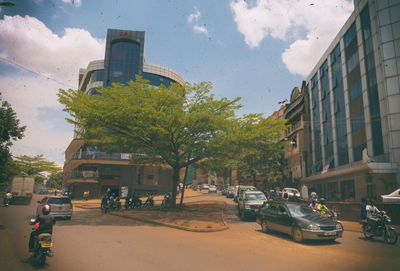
(60, 206)
(224, 190)
(250, 202)
(243, 188)
(212, 189)
(230, 193)
(393, 197)
(204, 187)
(298, 220)
(291, 192)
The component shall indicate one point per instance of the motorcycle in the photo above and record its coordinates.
(117, 204)
(149, 201)
(381, 228)
(6, 202)
(166, 201)
(331, 214)
(42, 245)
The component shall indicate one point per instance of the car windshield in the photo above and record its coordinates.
(59, 200)
(300, 210)
(294, 191)
(255, 196)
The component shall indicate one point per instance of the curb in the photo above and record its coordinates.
(225, 227)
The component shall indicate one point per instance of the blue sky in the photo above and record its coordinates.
(257, 49)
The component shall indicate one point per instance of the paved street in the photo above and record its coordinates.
(94, 241)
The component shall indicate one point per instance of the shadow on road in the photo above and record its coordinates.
(305, 242)
(32, 262)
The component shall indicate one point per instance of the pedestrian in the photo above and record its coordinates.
(363, 212)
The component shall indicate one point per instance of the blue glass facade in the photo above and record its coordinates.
(96, 76)
(372, 86)
(326, 115)
(339, 106)
(317, 166)
(355, 93)
(124, 62)
(157, 80)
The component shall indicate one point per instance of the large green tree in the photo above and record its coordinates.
(35, 166)
(252, 145)
(10, 130)
(55, 179)
(173, 125)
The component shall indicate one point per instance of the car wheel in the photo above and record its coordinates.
(297, 235)
(264, 226)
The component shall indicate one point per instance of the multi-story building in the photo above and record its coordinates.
(88, 167)
(298, 134)
(355, 106)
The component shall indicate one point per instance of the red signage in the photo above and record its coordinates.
(125, 33)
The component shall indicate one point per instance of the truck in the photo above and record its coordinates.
(21, 188)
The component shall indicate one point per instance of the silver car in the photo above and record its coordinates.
(60, 206)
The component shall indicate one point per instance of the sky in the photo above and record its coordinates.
(258, 50)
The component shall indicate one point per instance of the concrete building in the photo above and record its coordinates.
(355, 106)
(297, 154)
(87, 167)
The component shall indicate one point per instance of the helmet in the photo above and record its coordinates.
(46, 209)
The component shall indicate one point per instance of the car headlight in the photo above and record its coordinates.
(339, 226)
(313, 227)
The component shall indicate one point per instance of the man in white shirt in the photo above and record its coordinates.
(372, 213)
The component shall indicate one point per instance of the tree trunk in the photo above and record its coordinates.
(230, 176)
(175, 181)
(184, 185)
(255, 180)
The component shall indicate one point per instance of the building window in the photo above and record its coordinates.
(124, 62)
(373, 97)
(348, 190)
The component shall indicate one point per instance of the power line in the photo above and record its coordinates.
(9, 61)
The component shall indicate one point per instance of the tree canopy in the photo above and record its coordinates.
(36, 166)
(173, 126)
(10, 130)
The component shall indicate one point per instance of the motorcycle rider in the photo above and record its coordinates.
(314, 204)
(372, 213)
(363, 213)
(7, 198)
(46, 222)
(322, 207)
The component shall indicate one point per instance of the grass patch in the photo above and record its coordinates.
(185, 224)
(209, 226)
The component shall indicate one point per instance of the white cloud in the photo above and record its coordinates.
(28, 43)
(193, 18)
(76, 3)
(321, 20)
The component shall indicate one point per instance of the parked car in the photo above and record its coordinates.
(249, 203)
(60, 206)
(298, 220)
(224, 190)
(212, 189)
(291, 192)
(230, 192)
(393, 197)
(204, 187)
(243, 188)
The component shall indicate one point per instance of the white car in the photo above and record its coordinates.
(291, 192)
(393, 197)
(212, 189)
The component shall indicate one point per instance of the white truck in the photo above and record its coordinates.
(21, 189)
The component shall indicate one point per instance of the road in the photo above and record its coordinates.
(95, 241)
